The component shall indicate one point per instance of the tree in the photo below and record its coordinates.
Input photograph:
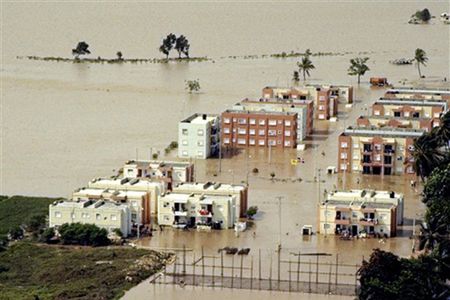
(47, 235)
(193, 85)
(305, 66)
(81, 49)
(251, 211)
(423, 15)
(421, 58)
(182, 46)
(83, 234)
(444, 131)
(358, 67)
(119, 55)
(308, 52)
(296, 77)
(168, 44)
(36, 222)
(427, 154)
(15, 233)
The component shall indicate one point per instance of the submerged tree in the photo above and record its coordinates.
(296, 77)
(168, 44)
(305, 66)
(119, 55)
(193, 85)
(420, 56)
(182, 46)
(81, 49)
(423, 15)
(358, 67)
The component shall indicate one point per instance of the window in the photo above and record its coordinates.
(251, 142)
(134, 203)
(113, 218)
(376, 112)
(200, 153)
(200, 143)
(279, 142)
(226, 130)
(241, 141)
(287, 143)
(411, 147)
(252, 121)
(321, 98)
(397, 114)
(261, 142)
(406, 114)
(262, 122)
(344, 155)
(287, 123)
(242, 131)
(184, 131)
(343, 166)
(377, 157)
(184, 153)
(57, 214)
(262, 132)
(272, 142)
(355, 146)
(436, 115)
(280, 122)
(344, 145)
(133, 216)
(72, 215)
(98, 217)
(184, 142)
(200, 132)
(287, 133)
(226, 120)
(242, 121)
(85, 215)
(252, 131)
(272, 132)
(226, 140)
(272, 122)
(321, 107)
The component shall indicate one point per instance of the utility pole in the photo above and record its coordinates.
(279, 222)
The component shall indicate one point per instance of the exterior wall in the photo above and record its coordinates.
(397, 110)
(425, 124)
(323, 105)
(109, 217)
(243, 129)
(348, 218)
(345, 154)
(199, 140)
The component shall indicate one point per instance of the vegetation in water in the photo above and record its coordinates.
(420, 57)
(251, 211)
(358, 67)
(193, 85)
(305, 65)
(422, 15)
(81, 49)
(180, 44)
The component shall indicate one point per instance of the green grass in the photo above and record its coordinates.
(56, 272)
(18, 210)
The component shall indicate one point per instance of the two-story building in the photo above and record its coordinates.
(189, 209)
(413, 93)
(109, 215)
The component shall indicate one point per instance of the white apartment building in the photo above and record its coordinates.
(142, 184)
(137, 201)
(104, 214)
(240, 191)
(188, 209)
(357, 211)
(198, 136)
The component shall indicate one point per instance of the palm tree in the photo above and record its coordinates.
(421, 58)
(358, 67)
(432, 233)
(305, 66)
(444, 131)
(427, 154)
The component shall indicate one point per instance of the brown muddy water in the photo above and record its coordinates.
(63, 124)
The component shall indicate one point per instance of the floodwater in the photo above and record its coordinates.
(63, 124)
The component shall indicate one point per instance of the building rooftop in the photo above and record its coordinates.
(107, 193)
(357, 204)
(208, 186)
(158, 164)
(282, 113)
(97, 204)
(198, 118)
(181, 197)
(394, 118)
(366, 195)
(125, 183)
(415, 102)
(278, 101)
(385, 131)
(418, 91)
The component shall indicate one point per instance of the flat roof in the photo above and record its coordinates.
(259, 112)
(208, 186)
(86, 191)
(275, 101)
(199, 118)
(394, 118)
(366, 194)
(421, 102)
(385, 131)
(159, 163)
(131, 182)
(418, 91)
(99, 204)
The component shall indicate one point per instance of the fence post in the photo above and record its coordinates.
(356, 280)
(289, 275)
(298, 271)
(213, 269)
(317, 269)
(309, 282)
(270, 273)
(329, 280)
(336, 278)
(232, 271)
(193, 268)
(221, 267)
(251, 273)
(203, 267)
(279, 268)
(242, 266)
(174, 270)
(184, 260)
(259, 269)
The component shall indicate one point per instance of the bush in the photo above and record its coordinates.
(272, 175)
(423, 15)
(36, 222)
(173, 145)
(155, 156)
(47, 235)
(15, 233)
(83, 234)
(3, 242)
(255, 171)
(118, 232)
(251, 211)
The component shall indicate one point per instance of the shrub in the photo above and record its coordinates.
(272, 175)
(155, 156)
(251, 211)
(15, 233)
(36, 222)
(83, 234)
(255, 170)
(47, 235)
(118, 232)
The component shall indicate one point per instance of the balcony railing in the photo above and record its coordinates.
(368, 222)
(342, 221)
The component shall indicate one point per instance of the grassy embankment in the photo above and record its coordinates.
(38, 271)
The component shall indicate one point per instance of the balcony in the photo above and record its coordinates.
(342, 221)
(368, 222)
(180, 213)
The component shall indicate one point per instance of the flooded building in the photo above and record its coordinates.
(169, 172)
(198, 136)
(412, 93)
(239, 191)
(304, 120)
(378, 151)
(357, 217)
(425, 124)
(189, 209)
(325, 97)
(415, 108)
(153, 188)
(258, 129)
(137, 201)
(109, 215)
